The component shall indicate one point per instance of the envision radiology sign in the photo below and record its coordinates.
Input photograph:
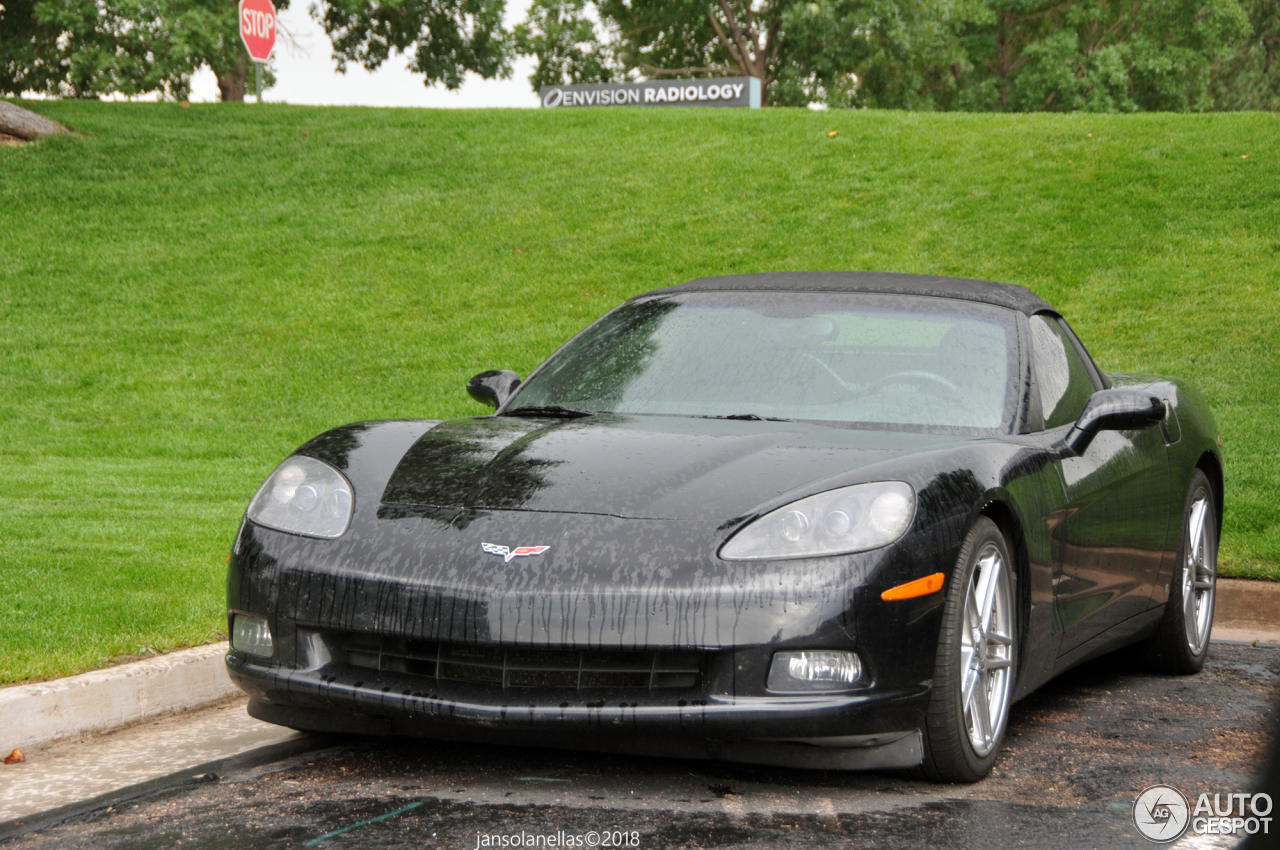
(723, 91)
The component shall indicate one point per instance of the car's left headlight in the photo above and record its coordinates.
(837, 522)
(304, 496)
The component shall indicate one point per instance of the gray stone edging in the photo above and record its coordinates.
(45, 712)
(1247, 601)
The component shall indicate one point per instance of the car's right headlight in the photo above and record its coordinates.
(304, 496)
(850, 519)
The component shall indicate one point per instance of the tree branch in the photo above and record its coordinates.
(737, 36)
(658, 72)
(772, 44)
(728, 46)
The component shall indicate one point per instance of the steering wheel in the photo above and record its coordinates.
(916, 376)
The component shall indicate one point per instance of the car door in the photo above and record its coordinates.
(1117, 494)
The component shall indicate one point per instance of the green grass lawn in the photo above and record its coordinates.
(188, 294)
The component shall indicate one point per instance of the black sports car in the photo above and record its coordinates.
(835, 520)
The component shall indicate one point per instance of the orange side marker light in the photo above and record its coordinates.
(912, 589)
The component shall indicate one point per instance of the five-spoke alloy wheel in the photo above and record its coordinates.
(986, 650)
(1182, 642)
(977, 660)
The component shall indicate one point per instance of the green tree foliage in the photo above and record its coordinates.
(1095, 55)
(990, 55)
(89, 48)
(447, 37)
(564, 39)
(1250, 78)
(583, 41)
(903, 54)
(28, 49)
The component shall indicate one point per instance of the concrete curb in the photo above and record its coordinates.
(44, 713)
(1247, 601)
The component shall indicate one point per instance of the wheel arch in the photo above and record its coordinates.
(1211, 466)
(1006, 519)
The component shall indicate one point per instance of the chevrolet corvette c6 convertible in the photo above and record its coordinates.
(835, 520)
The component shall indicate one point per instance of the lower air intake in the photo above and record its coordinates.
(509, 667)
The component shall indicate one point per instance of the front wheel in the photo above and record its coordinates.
(977, 657)
(1182, 643)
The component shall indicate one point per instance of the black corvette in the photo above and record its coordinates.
(835, 520)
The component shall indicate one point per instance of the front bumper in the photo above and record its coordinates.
(387, 585)
(866, 730)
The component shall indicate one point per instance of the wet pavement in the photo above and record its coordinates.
(76, 770)
(1078, 753)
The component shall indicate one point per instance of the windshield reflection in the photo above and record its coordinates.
(839, 357)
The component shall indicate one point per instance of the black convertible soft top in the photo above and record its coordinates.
(1002, 294)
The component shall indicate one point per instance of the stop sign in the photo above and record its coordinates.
(258, 28)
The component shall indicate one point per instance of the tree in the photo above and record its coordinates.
(653, 38)
(999, 55)
(448, 37)
(1250, 77)
(565, 41)
(840, 52)
(1096, 55)
(210, 29)
(681, 38)
(28, 49)
(901, 54)
(89, 48)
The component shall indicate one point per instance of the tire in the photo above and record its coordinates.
(974, 673)
(1181, 644)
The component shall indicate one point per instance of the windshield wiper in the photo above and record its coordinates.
(755, 417)
(551, 410)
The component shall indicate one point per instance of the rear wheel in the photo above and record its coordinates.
(977, 656)
(1182, 643)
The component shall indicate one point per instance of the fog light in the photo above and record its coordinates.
(251, 636)
(814, 671)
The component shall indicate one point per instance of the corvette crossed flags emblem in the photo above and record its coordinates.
(508, 553)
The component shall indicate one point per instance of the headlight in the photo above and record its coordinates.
(851, 519)
(304, 496)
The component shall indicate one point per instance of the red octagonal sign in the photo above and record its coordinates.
(258, 28)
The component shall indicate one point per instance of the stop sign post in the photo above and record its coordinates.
(258, 32)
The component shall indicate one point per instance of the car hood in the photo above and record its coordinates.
(651, 467)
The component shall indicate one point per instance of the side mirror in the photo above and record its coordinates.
(493, 387)
(1117, 409)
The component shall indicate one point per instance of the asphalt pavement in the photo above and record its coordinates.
(1078, 753)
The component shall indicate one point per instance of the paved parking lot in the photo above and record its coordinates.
(1078, 753)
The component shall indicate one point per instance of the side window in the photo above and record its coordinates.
(1100, 380)
(1063, 379)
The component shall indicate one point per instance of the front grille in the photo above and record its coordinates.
(510, 667)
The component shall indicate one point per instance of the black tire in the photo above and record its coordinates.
(950, 755)
(1170, 649)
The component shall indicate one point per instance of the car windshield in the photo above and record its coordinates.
(876, 360)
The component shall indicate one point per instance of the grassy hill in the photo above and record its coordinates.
(188, 294)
